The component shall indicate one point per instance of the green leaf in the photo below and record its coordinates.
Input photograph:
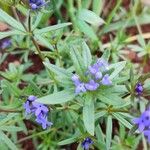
(57, 70)
(111, 99)
(11, 21)
(8, 142)
(10, 33)
(106, 55)
(100, 114)
(98, 6)
(51, 28)
(37, 21)
(57, 98)
(108, 132)
(44, 41)
(86, 53)
(88, 115)
(77, 61)
(99, 134)
(122, 120)
(87, 30)
(11, 128)
(68, 141)
(90, 17)
(118, 68)
(9, 117)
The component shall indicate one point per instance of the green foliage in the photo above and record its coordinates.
(51, 44)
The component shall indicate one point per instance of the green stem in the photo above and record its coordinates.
(10, 111)
(71, 13)
(37, 48)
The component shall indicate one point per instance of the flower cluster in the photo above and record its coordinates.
(143, 123)
(36, 4)
(39, 110)
(86, 143)
(139, 89)
(98, 76)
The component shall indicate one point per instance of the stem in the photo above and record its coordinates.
(15, 13)
(37, 48)
(32, 38)
(29, 22)
(9, 111)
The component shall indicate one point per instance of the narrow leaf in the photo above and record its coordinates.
(57, 98)
(122, 120)
(8, 142)
(11, 21)
(86, 53)
(44, 41)
(90, 17)
(118, 68)
(88, 116)
(77, 61)
(51, 28)
(108, 132)
(57, 70)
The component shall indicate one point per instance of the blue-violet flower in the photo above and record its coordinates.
(86, 143)
(139, 88)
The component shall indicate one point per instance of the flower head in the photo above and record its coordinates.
(75, 79)
(93, 69)
(40, 111)
(143, 123)
(139, 88)
(42, 119)
(39, 108)
(95, 77)
(5, 44)
(37, 4)
(91, 85)
(80, 88)
(28, 104)
(86, 143)
(106, 80)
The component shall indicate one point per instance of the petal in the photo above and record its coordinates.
(37, 112)
(106, 80)
(136, 120)
(141, 127)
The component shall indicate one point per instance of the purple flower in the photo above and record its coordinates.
(93, 69)
(39, 108)
(98, 75)
(147, 134)
(106, 80)
(86, 143)
(139, 88)
(28, 104)
(37, 4)
(6, 43)
(31, 98)
(75, 79)
(91, 85)
(143, 121)
(102, 64)
(80, 88)
(27, 107)
(42, 119)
